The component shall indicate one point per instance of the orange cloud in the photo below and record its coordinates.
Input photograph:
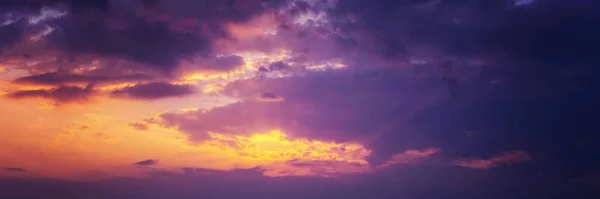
(510, 157)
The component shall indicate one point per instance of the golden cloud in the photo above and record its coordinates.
(280, 155)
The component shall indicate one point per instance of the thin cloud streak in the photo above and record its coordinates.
(506, 158)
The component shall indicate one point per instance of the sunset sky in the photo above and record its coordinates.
(299, 99)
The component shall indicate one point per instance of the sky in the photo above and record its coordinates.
(298, 99)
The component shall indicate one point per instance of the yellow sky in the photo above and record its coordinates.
(94, 139)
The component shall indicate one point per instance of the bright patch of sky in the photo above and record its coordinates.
(310, 18)
(315, 17)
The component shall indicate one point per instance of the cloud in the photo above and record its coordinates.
(256, 171)
(326, 105)
(54, 78)
(61, 94)
(270, 97)
(279, 154)
(506, 158)
(73, 4)
(162, 48)
(275, 66)
(371, 107)
(410, 157)
(167, 31)
(226, 63)
(154, 90)
(139, 126)
(396, 26)
(15, 169)
(322, 168)
(146, 162)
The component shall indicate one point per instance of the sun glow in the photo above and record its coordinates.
(280, 155)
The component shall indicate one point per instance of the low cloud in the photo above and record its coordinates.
(410, 157)
(54, 78)
(148, 162)
(506, 158)
(154, 90)
(270, 97)
(15, 169)
(139, 126)
(61, 94)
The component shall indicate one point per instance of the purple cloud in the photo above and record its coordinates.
(155, 34)
(154, 90)
(339, 106)
(390, 97)
(61, 94)
(146, 162)
(510, 157)
(54, 78)
(270, 97)
(410, 157)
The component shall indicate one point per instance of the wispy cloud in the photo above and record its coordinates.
(15, 169)
(148, 162)
(139, 126)
(410, 157)
(505, 158)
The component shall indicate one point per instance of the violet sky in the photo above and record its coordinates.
(299, 99)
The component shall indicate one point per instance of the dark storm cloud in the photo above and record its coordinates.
(61, 94)
(157, 34)
(154, 90)
(154, 34)
(154, 45)
(146, 162)
(544, 48)
(545, 32)
(54, 78)
(73, 4)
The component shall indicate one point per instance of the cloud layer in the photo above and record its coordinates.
(298, 98)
